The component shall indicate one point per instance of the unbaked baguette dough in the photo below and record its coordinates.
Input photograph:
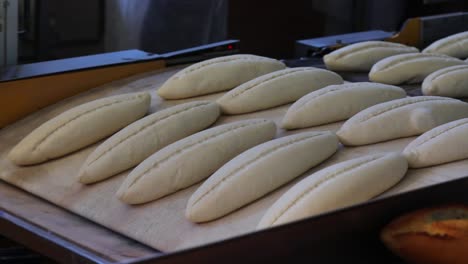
(338, 102)
(192, 159)
(216, 75)
(138, 141)
(343, 184)
(80, 127)
(400, 118)
(454, 45)
(410, 68)
(361, 56)
(276, 88)
(450, 82)
(445, 143)
(257, 172)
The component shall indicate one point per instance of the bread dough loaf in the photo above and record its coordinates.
(454, 45)
(216, 75)
(138, 141)
(192, 159)
(79, 127)
(276, 88)
(445, 143)
(400, 118)
(361, 56)
(343, 184)
(450, 82)
(257, 172)
(410, 68)
(338, 102)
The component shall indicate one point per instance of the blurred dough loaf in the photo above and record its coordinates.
(216, 75)
(79, 127)
(450, 82)
(405, 117)
(338, 102)
(454, 45)
(410, 68)
(343, 184)
(136, 142)
(257, 172)
(276, 88)
(434, 235)
(445, 143)
(192, 159)
(361, 56)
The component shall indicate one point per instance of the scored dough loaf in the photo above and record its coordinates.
(450, 82)
(192, 159)
(410, 68)
(338, 102)
(79, 127)
(276, 88)
(455, 45)
(361, 56)
(399, 118)
(216, 75)
(257, 172)
(343, 184)
(136, 142)
(445, 143)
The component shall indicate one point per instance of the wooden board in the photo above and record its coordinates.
(78, 239)
(161, 224)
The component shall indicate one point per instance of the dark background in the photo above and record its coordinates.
(53, 29)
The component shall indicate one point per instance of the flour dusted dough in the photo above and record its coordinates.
(454, 45)
(445, 143)
(216, 75)
(361, 56)
(257, 172)
(410, 68)
(400, 118)
(192, 159)
(136, 142)
(450, 82)
(276, 88)
(343, 184)
(79, 127)
(338, 102)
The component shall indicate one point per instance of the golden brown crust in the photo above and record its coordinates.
(431, 235)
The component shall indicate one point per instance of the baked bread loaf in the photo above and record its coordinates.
(338, 102)
(437, 235)
(361, 56)
(257, 172)
(445, 143)
(138, 141)
(216, 75)
(343, 184)
(455, 45)
(410, 68)
(192, 159)
(276, 88)
(79, 127)
(399, 118)
(450, 82)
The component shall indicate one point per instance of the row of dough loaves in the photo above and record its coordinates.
(393, 63)
(363, 55)
(181, 153)
(349, 182)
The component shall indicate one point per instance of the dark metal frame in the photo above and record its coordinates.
(44, 242)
